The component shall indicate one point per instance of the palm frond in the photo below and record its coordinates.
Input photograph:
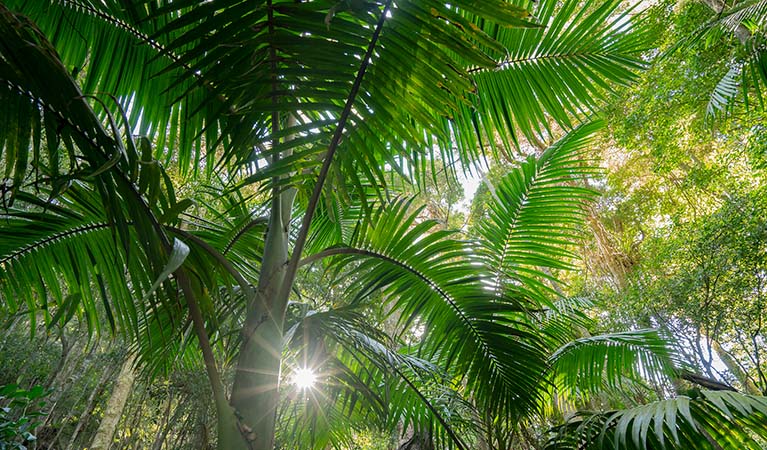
(33, 73)
(707, 420)
(239, 79)
(270, 84)
(481, 335)
(750, 13)
(536, 214)
(566, 319)
(725, 92)
(747, 74)
(66, 262)
(591, 364)
(115, 194)
(365, 383)
(556, 73)
(110, 48)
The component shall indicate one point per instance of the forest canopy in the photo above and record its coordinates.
(383, 224)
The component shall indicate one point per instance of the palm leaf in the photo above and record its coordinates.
(595, 363)
(749, 13)
(725, 92)
(707, 420)
(536, 215)
(744, 20)
(63, 261)
(481, 335)
(366, 384)
(271, 73)
(108, 46)
(556, 73)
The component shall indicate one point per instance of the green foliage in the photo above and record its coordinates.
(743, 24)
(706, 420)
(253, 105)
(536, 213)
(596, 363)
(678, 242)
(19, 415)
(557, 72)
(711, 288)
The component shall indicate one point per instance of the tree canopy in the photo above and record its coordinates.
(264, 195)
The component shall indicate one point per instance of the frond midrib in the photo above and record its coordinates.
(511, 62)
(479, 337)
(30, 248)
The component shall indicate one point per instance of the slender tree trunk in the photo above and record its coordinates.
(255, 393)
(89, 407)
(115, 406)
(162, 434)
(735, 369)
(80, 368)
(57, 383)
(135, 422)
(57, 375)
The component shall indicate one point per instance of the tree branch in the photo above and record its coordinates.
(708, 383)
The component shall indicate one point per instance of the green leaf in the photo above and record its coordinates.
(65, 311)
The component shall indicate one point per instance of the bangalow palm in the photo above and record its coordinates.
(179, 171)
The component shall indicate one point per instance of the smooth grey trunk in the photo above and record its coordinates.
(123, 386)
(255, 394)
(735, 369)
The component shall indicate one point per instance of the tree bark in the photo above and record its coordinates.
(102, 440)
(735, 369)
(255, 393)
(708, 383)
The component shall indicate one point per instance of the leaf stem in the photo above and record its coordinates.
(303, 232)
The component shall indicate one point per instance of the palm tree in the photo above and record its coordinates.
(156, 155)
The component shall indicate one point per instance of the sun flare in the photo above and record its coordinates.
(304, 378)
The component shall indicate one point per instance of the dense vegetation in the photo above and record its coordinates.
(241, 224)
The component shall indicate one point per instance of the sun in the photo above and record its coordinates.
(304, 378)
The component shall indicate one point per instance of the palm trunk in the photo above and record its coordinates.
(255, 393)
(115, 406)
